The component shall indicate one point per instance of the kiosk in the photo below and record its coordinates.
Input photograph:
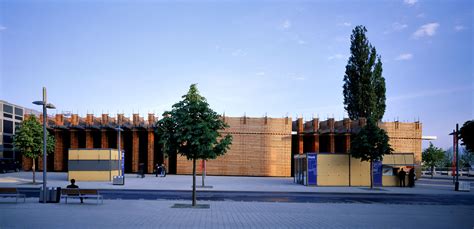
(94, 164)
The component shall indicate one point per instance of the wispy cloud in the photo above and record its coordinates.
(260, 73)
(420, 15)
(396, 27)
(337, 56)
(404, 56)
(238, 52)
(426, 30)
(286, 24)
(2, 28)
(345, 24)
(458, 28)
(410, 2)
(429, 93)
(301, 42)
(297, 77)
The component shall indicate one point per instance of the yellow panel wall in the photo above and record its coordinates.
(98, 154)
(333, 169)
(104, 155)
(360, 172)
(92, 175)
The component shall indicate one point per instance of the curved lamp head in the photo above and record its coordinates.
(40, 103)
(50, 106)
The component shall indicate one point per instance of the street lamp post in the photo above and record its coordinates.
(45, 105)
(120, 176)
(119, 148)
(455, 134)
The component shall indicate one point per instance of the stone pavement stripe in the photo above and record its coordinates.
(229, 214)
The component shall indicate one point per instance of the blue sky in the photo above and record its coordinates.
(253, 57)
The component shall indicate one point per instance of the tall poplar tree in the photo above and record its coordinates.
(191, 129)
(364, 85)
(364, 97)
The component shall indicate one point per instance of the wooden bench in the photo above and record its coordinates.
(12, 192)
(77, 193)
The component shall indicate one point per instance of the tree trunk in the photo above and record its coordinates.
(194, 182)
(33, 169)
(432, 171)
(203, 172)
(371, 175)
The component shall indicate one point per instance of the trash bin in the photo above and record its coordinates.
(119, 180)
(54, 195)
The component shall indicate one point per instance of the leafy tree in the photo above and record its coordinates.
(433, 156)
(28, 139)
(467, 135)
(466, 159)
(364, 85)
(370, 144)
(192, 128)
(448, 158)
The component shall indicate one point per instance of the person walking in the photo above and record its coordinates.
(411, 178)
(163, 170)
(157, 170)
(141, 170)
(401, 176)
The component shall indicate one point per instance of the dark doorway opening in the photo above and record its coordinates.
(143, 150)
(81, 139)
(127, 145)
(112, 136)
(67, 146)
(96, 139)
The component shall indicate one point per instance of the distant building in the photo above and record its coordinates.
(11, 116)
(261, 146)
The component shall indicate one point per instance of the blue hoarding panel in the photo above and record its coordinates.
(312, 170)
(377, 172)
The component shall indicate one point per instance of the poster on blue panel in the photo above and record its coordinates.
(377, 172)
(312, 168)
(123, 163)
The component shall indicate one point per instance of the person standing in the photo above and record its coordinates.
(401, 176)
(411, 178)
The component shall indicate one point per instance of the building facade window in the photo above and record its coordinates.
(18, 111)
(7, 109)
(7, 127)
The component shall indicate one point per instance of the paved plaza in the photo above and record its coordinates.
(228, 214)
(158, 213)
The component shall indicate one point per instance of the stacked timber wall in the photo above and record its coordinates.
(405, 138)
(260, 147)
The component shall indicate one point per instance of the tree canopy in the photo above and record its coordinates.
(28, 139)
(467, 135)
(432, 157)
(370, 144)
(191, 129)
(364, 85)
